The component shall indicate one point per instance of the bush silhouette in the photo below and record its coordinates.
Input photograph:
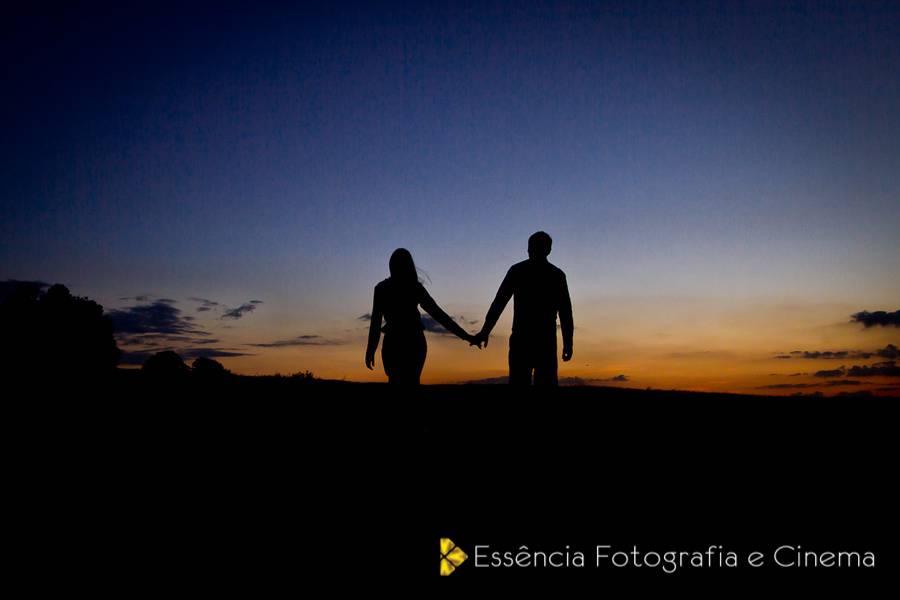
(54, 331)
(165, 365)
(207, 368)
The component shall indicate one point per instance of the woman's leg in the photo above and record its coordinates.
(419, 358)
(388, 358)
(404, 358)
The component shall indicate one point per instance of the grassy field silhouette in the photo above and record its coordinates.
(248, 481)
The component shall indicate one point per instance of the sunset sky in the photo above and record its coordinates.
(721, 180)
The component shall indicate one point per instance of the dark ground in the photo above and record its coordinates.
(255, 485)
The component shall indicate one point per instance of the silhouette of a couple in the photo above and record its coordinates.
(540, 294)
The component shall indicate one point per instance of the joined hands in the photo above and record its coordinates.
(479, 339)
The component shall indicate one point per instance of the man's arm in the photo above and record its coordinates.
(500, 301)
(566, 323)
(374, 330)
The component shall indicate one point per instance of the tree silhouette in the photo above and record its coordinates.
(208, 369)
(165, 365)
(54, 331)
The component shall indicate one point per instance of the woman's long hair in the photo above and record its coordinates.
(403, 269)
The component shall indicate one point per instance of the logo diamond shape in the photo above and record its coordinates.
(451, 556)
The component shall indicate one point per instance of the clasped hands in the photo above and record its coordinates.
(480, 339)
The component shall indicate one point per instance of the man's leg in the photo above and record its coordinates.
(545, 367)
(519, 364)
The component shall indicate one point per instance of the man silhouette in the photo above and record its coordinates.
(540, 293)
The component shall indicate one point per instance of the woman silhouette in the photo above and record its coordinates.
(397, 299)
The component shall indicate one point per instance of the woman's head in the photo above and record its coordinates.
(403, 269)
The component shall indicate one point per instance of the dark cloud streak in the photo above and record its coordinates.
(878, 318)
(432, 326)
(156, 318)
(792, 386)
(240, 311)
(831, 373)
(300, 340)
(890, 351)
(881, 369)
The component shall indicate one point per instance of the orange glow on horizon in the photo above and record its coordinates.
(692, 345)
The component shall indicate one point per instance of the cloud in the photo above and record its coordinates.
(139, 357)
(432, 326)
(240, 311)
(205, 304)
(429, 324)
(619, 377)
(830, 354)
(701, 354)
(158, 325)
(831, 373)
(145, 329)
(154, 339)
(879, 317)
(856, 394)
(889, 351)
(562, 380)
(300, 340)
(791, 386)
(191, 353)
(786, 386)
(505, 380)
(592, 380)
(574, 381)
(158, 318)
(488, 381)
(881, 369)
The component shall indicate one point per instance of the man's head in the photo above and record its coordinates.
(539, 245)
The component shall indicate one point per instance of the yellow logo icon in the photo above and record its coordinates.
(451, 556)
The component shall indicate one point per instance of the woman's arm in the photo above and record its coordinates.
(431, 307)
(374, 330)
